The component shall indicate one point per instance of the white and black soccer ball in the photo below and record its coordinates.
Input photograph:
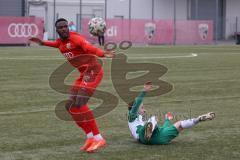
(97, 26)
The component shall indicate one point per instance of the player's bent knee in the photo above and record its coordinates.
(82, 97)
(178, 126)
(69, 104)
(81, 101)
(79, 98)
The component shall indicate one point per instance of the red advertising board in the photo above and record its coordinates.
(17, 30)
(194, 32)
(156, 32)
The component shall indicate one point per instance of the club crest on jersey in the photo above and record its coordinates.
(68, 45)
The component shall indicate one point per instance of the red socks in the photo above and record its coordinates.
(84, 118)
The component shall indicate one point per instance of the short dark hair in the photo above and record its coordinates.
(60, 20)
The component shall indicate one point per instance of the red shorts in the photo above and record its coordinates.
(87, 81)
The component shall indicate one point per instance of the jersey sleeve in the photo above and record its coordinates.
(133, 113)
(88, 48)
(54, 44)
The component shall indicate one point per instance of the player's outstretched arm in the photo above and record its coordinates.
(54, 44)
(36, 40)
(147, 87)
(91, 49)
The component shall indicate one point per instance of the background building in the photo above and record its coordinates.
(12, 7)
(224, 13)
(73, 10)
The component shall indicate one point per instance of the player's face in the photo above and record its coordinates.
(141, 110)
(62, 29)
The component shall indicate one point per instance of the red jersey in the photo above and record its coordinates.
(79, 52)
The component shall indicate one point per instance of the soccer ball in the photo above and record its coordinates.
(97, 26)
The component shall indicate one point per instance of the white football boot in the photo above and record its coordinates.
(208, 116)
(150, 126)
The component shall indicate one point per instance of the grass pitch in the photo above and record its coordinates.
(205, 78)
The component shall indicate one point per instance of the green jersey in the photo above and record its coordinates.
(161, 134)
(135, 121)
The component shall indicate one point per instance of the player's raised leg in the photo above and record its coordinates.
(180, 125)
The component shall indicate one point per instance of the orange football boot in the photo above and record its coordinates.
(96, 145)
(87, 144)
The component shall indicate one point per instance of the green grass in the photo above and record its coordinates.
(30, 129)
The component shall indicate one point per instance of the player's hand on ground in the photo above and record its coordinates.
(109, 54)
(147, 86)
(36, 40)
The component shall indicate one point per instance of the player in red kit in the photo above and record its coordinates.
(81, 55)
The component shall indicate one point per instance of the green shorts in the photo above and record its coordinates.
(161, 134)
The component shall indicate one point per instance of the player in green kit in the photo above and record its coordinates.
(150, 132)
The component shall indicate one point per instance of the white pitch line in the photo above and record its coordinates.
(61, 58)
(233, 53)
(163, 57)
(30, 58)
(24, 112)
(174, 100)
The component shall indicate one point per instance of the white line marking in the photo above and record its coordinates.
(61, 58)
(234, 53)
(162, 57)
(25, 112)
(174, 100)
(31, 58)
